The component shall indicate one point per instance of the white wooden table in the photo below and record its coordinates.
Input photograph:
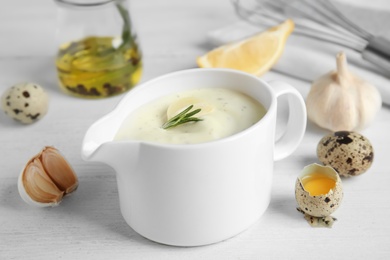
(88, 225)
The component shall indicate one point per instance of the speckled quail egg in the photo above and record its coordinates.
(25, 102)
(349, 153)
(318, 190)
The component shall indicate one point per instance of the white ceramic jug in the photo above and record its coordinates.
(197, 194)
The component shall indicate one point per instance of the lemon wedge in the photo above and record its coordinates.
(181, 104)
(255, 55)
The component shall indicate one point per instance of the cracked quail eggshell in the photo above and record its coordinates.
(320, 205)
(25, 102)
(349, 153)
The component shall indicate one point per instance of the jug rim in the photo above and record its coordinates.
(229, 138)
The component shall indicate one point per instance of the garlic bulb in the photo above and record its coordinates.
(46, 178)
(340, 100)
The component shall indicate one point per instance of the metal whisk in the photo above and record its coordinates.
(318, 19)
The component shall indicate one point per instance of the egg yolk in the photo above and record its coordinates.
(318, 184)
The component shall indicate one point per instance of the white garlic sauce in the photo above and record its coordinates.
(232, 112)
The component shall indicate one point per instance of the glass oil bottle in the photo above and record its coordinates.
(98, 55)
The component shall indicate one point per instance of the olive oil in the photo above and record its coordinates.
(97, 67)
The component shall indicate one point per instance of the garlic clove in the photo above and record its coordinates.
(46, 178)
(341, 101)
(36, 186)
(59, 170)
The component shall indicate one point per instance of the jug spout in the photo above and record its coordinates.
(99, 145)
(116, 154)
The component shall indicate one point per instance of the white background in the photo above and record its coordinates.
(88, 225)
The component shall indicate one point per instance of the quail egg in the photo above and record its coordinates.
(318, 190)
(25, 102)
(349, 153)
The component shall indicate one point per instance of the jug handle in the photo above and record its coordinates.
(296, 124)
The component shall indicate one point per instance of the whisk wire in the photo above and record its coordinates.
(319, 12)
(345, 22)
(268, 13)
(321, 20)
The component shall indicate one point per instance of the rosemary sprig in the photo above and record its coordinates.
(183, 117)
